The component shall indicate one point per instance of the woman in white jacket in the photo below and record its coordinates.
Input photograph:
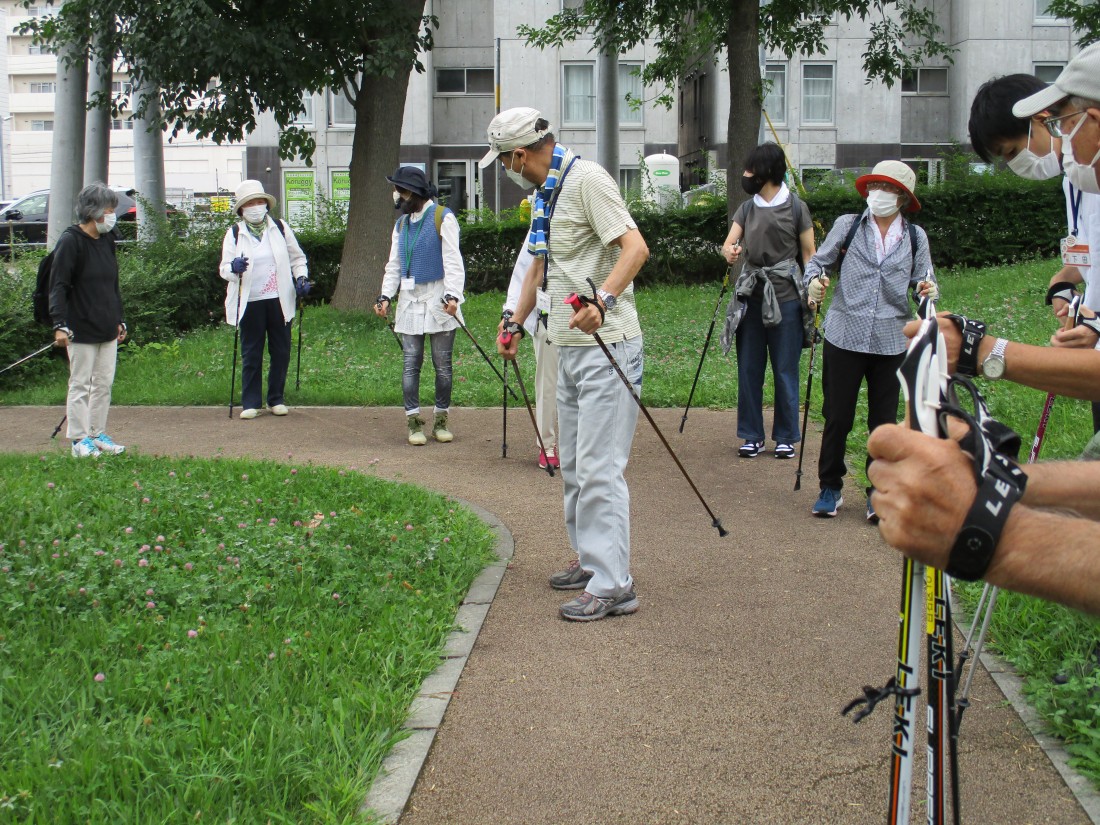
(425, 264)
(266, 271)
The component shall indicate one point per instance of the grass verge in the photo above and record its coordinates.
(182, 639)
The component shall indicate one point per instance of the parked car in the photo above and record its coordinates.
(25, 221)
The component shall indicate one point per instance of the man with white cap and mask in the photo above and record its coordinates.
(584, 241)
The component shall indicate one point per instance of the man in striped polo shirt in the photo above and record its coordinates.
(583, 239)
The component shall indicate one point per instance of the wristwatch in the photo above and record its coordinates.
(993, 367)
(607, 299)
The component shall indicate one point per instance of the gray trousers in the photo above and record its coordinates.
(596, 421)
(91, 376)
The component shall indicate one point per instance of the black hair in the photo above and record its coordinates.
(546, 140)
(991, 118)
(767, 162)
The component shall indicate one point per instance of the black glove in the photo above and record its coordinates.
(301, 286)
(239, 264)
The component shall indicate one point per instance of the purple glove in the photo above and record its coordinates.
(301, 286)
(239, 264)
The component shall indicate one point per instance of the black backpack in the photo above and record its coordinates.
(41, 297)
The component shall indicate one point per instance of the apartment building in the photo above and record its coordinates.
(829, 117)
(191, 165)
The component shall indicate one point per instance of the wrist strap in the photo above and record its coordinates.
(999, 489)
(972, 333)
(1063, 289)
(1092, 323)
(515, 329)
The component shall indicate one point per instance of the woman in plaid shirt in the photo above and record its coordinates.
(887, 259)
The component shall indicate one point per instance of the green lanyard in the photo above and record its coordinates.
(409, 248)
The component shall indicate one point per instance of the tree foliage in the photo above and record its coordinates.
(1084, 16)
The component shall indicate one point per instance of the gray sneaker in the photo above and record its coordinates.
(574, 577)
(589, 608)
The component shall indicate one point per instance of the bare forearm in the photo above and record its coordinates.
(1065, 485)
(632, 256)
(1050, 556)
(531, 283)
(1074, 373)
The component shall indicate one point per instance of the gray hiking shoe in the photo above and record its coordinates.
(574, 577)
(416, 431)
(589, 608)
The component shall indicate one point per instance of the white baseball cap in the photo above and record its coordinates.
(1080, 78)
(512, 129)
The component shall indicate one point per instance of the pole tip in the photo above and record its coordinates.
(722, 531)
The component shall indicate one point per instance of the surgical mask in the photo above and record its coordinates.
(1081, 175)
(254, 214)
(1029, 165)
(106, 223)
(517, 177)
(396, 199)
(882, 204)
(751, 184)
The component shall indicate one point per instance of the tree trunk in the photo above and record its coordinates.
(743, 129)
(67, 169)
(607, 112)
(149, 164)
(97, 140)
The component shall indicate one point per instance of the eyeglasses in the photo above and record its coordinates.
(886, 187)
(1055, 127)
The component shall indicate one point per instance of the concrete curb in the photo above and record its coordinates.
(1012, 686)
(392, 787)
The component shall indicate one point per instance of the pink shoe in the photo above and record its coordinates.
(548, 460)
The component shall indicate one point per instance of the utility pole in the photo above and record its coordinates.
(607, 113)
(67, 166)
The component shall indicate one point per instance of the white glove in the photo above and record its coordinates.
(816, 290)
(929, 289)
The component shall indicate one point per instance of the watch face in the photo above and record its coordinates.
(993, 367)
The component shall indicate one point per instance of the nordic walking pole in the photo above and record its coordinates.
(706, 344)
(577, 301)
(236, 333)
(298, 371)
(488, 361)
(504, 408)
(809, 386)
(28, 357)
(505, 338)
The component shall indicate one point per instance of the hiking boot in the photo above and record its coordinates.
(751, 449)
(574, 577)
(416, 431)
(784, 451)
(280, 409)
(828, 503)
(248, 415)
(548, 459)
(85, 448)
(589, 608)
(439, 429)
(106, 445)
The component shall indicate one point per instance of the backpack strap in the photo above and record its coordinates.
(913, 243)
(851, 236)
(440, 213)
(237, 230)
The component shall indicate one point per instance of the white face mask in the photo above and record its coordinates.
(882, 204)
(517, 177)
(396, 198)
(106, 223)
(254, 214)
(1029, 165)
(1081, 175)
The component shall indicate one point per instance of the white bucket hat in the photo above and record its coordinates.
(512, 129)
(895, 172)
(1080, 78)
(248, 190)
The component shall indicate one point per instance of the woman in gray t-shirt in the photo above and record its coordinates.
(772, 229)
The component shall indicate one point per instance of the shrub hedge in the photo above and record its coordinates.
(171, 285)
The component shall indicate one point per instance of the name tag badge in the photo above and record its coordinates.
(542, 300)
(407, 284)
(1075, 253)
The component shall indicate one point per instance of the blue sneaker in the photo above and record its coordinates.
(828, 503)
(106, 445)
(85, 448)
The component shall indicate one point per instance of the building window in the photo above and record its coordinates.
(572, 4)
(43, 88)
(1048, 72)
(630, 180)
(630, 84)
(775, 102)
(924, 82)
(817, 93)
(122, 87)
(305, 117)
(122, 124)
(41, 125)
(1043, 12)
(342, 112)
(36, 49)
(578, 94)
(34, 11)
(463, 81)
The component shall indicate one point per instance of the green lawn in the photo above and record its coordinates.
(190, 640)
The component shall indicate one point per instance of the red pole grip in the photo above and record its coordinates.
(575, 301)
(505, 337)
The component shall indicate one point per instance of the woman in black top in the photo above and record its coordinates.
(772, 229)
(86, 308)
